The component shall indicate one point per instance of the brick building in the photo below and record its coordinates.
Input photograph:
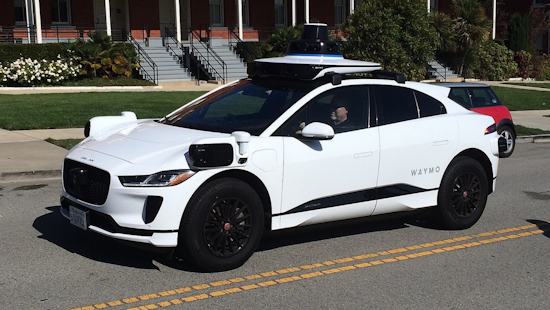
(73, 18)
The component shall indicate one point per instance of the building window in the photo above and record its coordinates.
(280, 12)
(339, 11)
(20, 14)
(216, 13)
(245, 13)
(433, 5)
(60, 11)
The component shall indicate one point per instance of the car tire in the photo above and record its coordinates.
(222, 225)
(462, 194)
(510, 136)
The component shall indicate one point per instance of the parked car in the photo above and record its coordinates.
(297, 143)
(482, 99)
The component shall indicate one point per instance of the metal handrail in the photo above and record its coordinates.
(443, 76)
(231, 38)
(142, 54)
(210, 53)
(58, 33)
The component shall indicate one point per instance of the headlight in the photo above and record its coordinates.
(164, 178)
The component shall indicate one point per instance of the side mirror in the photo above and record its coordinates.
(318, 131)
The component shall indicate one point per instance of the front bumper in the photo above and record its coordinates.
(105, 225)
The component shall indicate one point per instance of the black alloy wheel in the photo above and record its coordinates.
(466, 195)
(227, 227)
(462, 194)
(222, 225)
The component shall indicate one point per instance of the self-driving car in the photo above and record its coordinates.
(302, 140)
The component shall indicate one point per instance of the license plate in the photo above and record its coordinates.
(79, 218)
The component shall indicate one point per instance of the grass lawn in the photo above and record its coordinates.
(45, 111)
(541, 85)
(73, 110)
(522, 99)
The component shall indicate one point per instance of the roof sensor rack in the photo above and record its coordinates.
(313, 57)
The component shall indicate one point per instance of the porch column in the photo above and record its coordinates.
(38, 21)
(494, 19)
(108, 16)
(293, 12)
(240, 10)
(30, 19)
(178, 20)
(352, 6)
(428, 6)
(307, 11)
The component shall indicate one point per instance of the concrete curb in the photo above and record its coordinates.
(534, 139)
(9, 177)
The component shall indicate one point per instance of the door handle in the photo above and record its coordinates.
(439, 143)
(359, 155)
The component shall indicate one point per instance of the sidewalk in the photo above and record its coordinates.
(24, 155)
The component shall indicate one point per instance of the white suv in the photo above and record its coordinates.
(297, 143)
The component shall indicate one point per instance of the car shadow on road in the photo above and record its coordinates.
(545, 226)
(57, 230)
(344, 228)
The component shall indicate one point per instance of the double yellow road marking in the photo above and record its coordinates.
(350, 263)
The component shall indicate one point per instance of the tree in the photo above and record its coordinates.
(472, 27)
(281, 38)
(395, 33)
(444, 29)
(518, 32)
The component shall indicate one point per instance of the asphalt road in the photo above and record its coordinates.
(395, 262)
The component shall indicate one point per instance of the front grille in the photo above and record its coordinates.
(85, 182)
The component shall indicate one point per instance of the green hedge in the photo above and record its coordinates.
(11, 52)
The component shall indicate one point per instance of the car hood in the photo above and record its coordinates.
(146, 143)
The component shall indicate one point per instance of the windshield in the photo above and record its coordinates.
(248, 105)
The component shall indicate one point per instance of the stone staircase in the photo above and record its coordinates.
(169, 67)
(437, 71)
(236, 68)
(171, 70)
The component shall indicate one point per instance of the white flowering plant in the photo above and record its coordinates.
(30, 72)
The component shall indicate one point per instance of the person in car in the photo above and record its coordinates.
(339, 113)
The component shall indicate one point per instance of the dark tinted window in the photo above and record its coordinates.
(397, 104)
(482, 97)
(344, 108)
(429, 106)
(461, 96)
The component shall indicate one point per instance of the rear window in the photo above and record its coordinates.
(483, 97)
(474, 97)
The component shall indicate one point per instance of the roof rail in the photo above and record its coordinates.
(383, 74)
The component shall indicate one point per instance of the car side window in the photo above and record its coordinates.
(482, 97)
(461, 96)
(397, 104)
(429, 106)
(343, 108)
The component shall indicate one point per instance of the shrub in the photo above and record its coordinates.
(29, 72)
(12, 52)
(100, 57)
(541, 65)
(523, 59)
(496, 62)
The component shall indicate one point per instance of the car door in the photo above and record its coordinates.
(417, 142)
(326, 180)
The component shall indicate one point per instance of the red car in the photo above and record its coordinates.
(482, 99)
